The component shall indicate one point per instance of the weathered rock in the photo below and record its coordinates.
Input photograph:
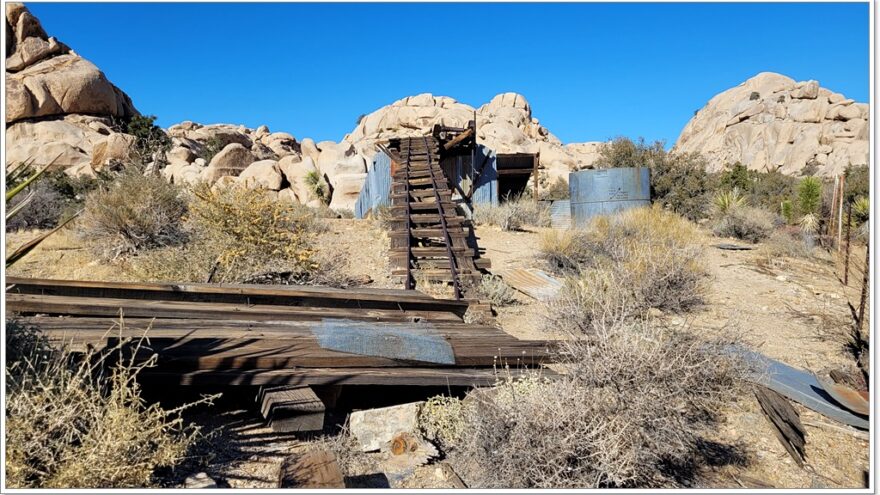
(115, 148)
(70, 139)
(230, 161)
(770, 122)
(263, 174)
(199, 481)
(345, 190)
(296, 171)
(32, 50)
(181, 154)
(374, 428)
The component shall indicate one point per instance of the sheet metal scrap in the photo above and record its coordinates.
(404, 341)
(801, 386)
(733, 247)
(532, 282)
(849, 398)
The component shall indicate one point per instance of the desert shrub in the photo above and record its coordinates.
(441, 419)
(240, 235)
(638, 259)
(133, 213)
(493, 288)
(565, 251)
(858, 182)
(787, 242)
(42, 211)
(633, 410)
(556, 191)
(736, 176)
(767, 190)
(809, 202)
(81, 423)
(149, 139)
(317, 186)
(513, 214)
(744, 222)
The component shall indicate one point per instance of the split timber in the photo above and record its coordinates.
(221, 334)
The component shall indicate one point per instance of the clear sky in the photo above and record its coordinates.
(590, 71)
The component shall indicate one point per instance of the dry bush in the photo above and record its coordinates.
(442, 420)
(788, 242)
(565, 251)
(513, 214)
(43, 210)
(243, 236)
(633, 410)
(134, 213)
(632, 261)
(493, 288)
(557, 190)
(79, 422)
(351, 460)
(745, 223)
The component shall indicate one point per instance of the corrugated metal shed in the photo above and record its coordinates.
(560, 214)
(603, 191)
(377, 187)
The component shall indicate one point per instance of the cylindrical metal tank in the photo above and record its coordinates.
(602, 191)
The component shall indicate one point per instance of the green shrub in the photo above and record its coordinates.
(727, 200)
(134, 213)
(858, 182)
(493, 288)
(213, 146)
(149, 138)
(679, 181)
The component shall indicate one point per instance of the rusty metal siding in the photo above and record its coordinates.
(603, 191)
(376, 190)
(486, 187)
(560, 214)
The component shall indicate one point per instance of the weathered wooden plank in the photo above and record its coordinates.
(289, 409)
(315, 468)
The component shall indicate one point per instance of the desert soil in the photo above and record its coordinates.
(791, 310)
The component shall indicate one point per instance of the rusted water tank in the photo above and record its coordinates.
(602, 191)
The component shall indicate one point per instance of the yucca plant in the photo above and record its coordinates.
(861, 213)
(809, 197)
(13, 175)
(786, 209)
(724, 201)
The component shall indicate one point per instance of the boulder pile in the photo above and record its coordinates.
(771, 122)
(58, 104)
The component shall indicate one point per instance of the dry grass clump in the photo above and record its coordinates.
(631, 261)
(134, 213)
(633, 410)
(788, 242)
(79, 422)
(493, 288)
(565, 251)
(240, 235)
(513, 214)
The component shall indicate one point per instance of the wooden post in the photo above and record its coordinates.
(535, 173)
(829, 226)
(846, 258)
(865, 280)
(840, 210)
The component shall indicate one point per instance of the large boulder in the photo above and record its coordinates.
(229, 162)
(58, 104)
(296, 171)
(771, 122)
(263, 174)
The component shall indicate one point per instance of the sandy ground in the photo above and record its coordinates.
(794, 310)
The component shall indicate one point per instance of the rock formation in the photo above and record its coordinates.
(58, 104)
(771, 122)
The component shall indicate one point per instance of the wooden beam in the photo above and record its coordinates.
(288, 408)
(457, 139)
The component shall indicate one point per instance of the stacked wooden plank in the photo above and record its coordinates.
(430, 240)
(216, 334)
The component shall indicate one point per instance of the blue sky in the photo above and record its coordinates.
(590, 71)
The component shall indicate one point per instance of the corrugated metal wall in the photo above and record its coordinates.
(486, 190)
(377, 187)
(560, 214)
(603, 191)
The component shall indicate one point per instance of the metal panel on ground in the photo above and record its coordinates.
(407, 341)
(532, 282)
(603, 191)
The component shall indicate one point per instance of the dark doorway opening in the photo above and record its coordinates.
(514, 172)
